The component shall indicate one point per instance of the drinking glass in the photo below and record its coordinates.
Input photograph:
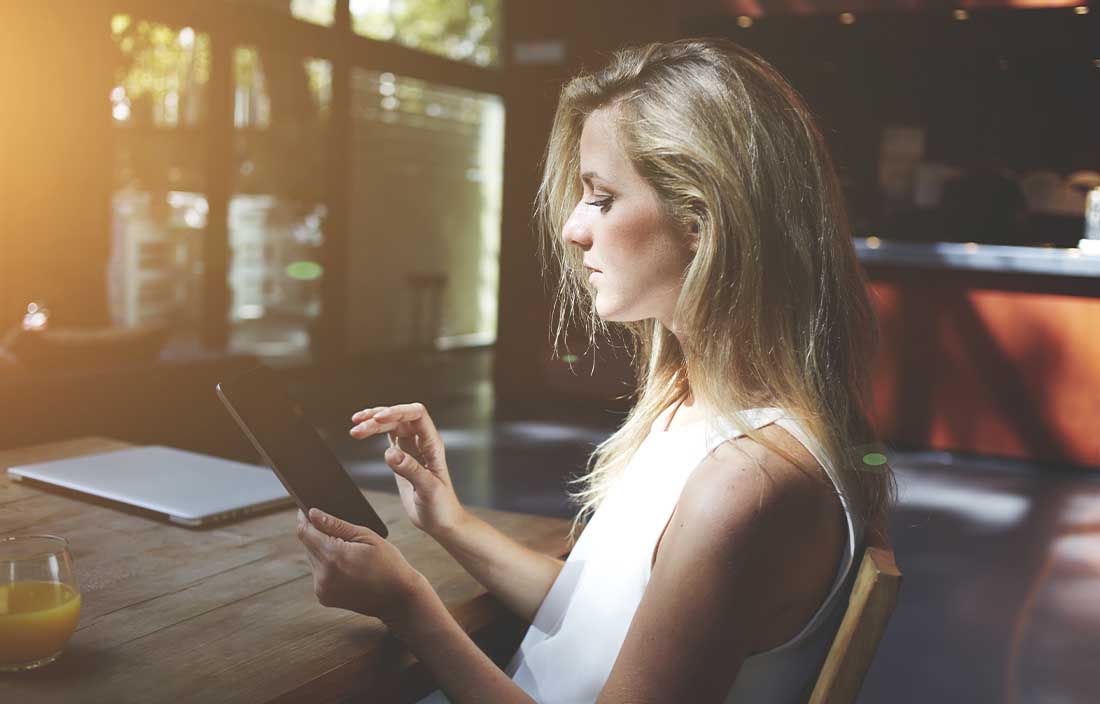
(39, 600)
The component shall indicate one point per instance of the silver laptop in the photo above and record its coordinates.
(187, 488)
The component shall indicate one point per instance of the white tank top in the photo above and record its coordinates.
(570, 648)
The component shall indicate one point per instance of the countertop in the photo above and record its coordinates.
(980, 257)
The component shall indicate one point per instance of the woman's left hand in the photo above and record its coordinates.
(354, 568)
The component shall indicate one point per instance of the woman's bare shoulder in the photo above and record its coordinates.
(743, 468)
(782, 518)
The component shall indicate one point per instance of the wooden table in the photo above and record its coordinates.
(227, 614)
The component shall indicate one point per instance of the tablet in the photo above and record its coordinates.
(259, 403)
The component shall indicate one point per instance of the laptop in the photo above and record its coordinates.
(186, 488)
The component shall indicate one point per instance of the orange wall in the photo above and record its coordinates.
(1012, 373)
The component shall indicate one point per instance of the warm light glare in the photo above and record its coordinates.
(34, 321)
(119, 23)
(1081, 10)
(744, 21)
(319, 12)
(873, 242)
(961, 15)
(250, 311)
(194, 219)
(847, 18)
(37, 317)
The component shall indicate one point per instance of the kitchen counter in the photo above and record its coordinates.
(997, 258)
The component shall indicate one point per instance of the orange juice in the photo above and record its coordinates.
(36, 620)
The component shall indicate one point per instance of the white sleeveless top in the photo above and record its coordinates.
(570, 648)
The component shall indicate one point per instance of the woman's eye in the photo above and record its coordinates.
(604, 204)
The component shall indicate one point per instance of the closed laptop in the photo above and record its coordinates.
(185, 487)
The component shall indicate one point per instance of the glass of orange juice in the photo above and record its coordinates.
(39, 600)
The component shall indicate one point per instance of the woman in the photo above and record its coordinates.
(689, 199)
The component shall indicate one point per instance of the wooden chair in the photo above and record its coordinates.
(874, 595)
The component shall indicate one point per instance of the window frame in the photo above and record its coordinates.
(232, 24)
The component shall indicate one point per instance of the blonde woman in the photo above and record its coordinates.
(689, 198)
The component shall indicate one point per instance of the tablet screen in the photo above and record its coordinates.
(261, 406)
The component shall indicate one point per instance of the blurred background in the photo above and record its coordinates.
(343, 189)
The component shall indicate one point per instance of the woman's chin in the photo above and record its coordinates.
(610, 313)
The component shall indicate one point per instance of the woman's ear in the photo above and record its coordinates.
(693, 237)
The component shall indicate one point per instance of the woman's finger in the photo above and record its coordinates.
(315, 541)
(374, 426)
(414, 415)
(403, 485)
(405, 465)
(314, 563)
(341, 529)
(406, 411)
(366, 413)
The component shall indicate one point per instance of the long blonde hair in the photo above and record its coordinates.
(774, 307)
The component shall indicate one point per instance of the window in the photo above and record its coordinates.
(159, 207)
(249, 213)
(319, 12)
(277, 211)
(464, 30)
(427, 174)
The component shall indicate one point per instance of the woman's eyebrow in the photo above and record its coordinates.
(587, 177)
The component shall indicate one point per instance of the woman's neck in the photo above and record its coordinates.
(682, 412)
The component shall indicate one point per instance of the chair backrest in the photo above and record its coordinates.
(874, 595)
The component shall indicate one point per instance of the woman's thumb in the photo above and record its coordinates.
(403, 464)
(338, 528)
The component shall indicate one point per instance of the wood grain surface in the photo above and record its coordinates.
(872, 601)
(227, 613)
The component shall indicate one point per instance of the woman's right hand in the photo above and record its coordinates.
(418, 463)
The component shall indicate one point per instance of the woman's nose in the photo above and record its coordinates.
(576, 231)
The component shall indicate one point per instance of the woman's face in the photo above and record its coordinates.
(635, 255)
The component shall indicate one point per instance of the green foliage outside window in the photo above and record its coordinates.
(464, 30)
(162, 73)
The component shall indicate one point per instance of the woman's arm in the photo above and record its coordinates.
(355, 569)
(749, 532)
(723, 576)
(736, 543)
(516, 575)
(457, 665)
